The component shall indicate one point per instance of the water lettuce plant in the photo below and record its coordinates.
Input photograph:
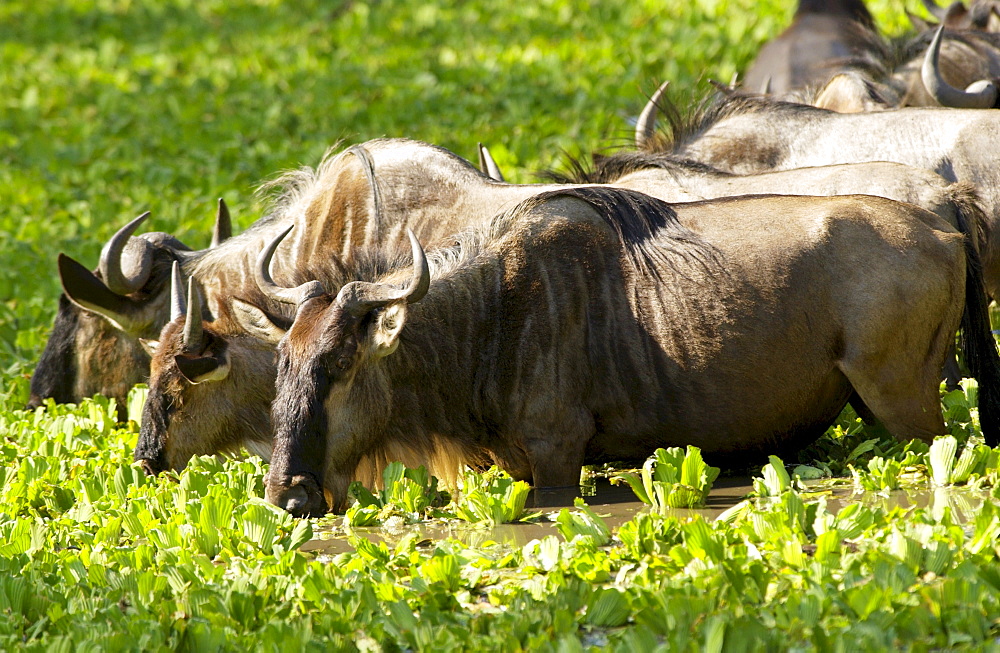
(492, 497)
(406, 493)
(673, 478)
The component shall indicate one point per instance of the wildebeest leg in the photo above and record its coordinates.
(908, 407)
(861, 408)
(952, 373)
(556, 449)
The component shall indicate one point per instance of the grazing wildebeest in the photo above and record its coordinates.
(86, 354)
(341, 210)
(596, 323)
(826, 37)
(222, 412)
(748, 135)
(94, 345)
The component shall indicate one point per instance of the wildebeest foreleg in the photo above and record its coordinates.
(556, 449)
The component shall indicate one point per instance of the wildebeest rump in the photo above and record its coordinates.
(595, 323)
(747, 135)
(220, 415)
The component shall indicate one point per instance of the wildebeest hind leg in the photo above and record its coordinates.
(907, 404)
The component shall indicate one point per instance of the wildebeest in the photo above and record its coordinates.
(221, 413)
(826, 37)
(595, 323)
(86, 354)
(341, 210)
(747, 135)
(94, 345)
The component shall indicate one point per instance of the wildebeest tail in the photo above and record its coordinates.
(977, 341)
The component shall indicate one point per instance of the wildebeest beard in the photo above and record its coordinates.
(56, 371)
(151, 448)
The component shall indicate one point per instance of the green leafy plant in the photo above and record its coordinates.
(774, 479)
(882, 475)
(583, 522)
(408, 493)
(492, 497)
(673, 478)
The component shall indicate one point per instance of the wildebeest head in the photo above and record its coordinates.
(331, 340)
(94, 347)
(209, 390)
(973, 62)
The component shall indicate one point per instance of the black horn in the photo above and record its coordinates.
(359, 297)
(979, 95)
(126, 263)
(488, 165)
(262, 276)
(193, 334)
(223, 228)
(178, 306)
(645, 124)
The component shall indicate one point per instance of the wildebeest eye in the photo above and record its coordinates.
(343, 362)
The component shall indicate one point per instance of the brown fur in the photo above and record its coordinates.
(546, 343)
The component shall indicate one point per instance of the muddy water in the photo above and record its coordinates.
(616, 504)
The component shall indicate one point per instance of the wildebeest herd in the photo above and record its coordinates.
(811, 239)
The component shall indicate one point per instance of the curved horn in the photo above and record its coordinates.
(192, 326)
(359, 297)
(645, 125)
(488, 165)
(979, 95)
(110, 265)
(223, 224)
(765, 86)
(177, 303)
(262, 276)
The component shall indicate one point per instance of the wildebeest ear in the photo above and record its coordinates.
(89, 293)
(256, 322)
(199, 369)
(388, 325)
(149, 345)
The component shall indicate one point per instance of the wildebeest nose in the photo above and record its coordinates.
(300, 498)
(34, 401)
(296, 500)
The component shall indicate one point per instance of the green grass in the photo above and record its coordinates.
(112, 107)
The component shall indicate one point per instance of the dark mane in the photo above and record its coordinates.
(911, 48)
(648, 228)
(680, 128)
(607, 169)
